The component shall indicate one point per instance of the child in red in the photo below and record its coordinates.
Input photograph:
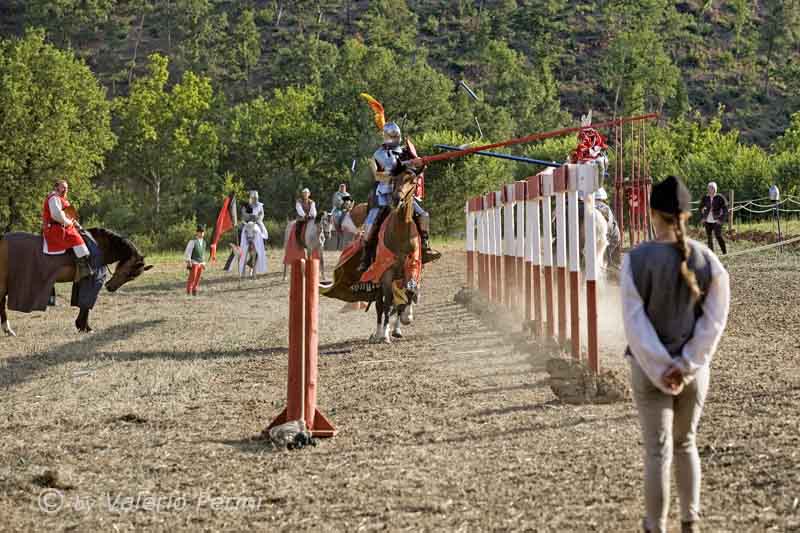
(195, 257)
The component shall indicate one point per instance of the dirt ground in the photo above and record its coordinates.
(152, 421)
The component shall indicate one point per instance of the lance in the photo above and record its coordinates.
(528, 138)
(504, 156)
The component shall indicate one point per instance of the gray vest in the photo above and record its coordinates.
(656, 272)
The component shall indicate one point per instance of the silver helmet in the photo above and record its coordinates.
(254, 195)
(391, 134)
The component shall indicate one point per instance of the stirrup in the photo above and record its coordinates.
(429, 255)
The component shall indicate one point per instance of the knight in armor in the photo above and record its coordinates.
(387, 162)
(254, 212)
(60, 232)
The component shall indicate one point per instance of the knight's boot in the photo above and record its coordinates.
(367, 256)
(428, 254)
(85, 270)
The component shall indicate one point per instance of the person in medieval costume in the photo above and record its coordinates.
(60, 232)
(195, 257)
(340, 202)
(253, 211)
(253, 232)
(306, 209)
(388, 161)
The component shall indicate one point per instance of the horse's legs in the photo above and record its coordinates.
(397, 333)
(82, 322)
(3, 316)
(377, 336)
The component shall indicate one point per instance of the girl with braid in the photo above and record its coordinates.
(675, 299)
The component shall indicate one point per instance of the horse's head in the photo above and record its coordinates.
(126, 271)
(250, 231)
(404, 186)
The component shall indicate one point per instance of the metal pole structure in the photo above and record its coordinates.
(547, 249)
(560, 190)
(534, 245)
(574, 260)
(775, 196)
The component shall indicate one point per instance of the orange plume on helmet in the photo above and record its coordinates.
(377, 108)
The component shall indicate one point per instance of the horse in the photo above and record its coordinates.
(343, 224)
(316, 232)
(115, 249)
(250, 255)
(396, 295)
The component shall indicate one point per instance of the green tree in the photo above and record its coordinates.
(68, 19)
(448, 184)
(274, 145)
(509, 82)
(780, 32)
(636, 68)
(246, 47)
(390, 24)
(169, 146)
(54, 123)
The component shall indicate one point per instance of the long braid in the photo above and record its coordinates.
(683, 247)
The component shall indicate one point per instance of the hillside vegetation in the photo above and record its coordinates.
(156, 108)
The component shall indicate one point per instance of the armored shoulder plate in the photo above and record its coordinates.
(388, 158)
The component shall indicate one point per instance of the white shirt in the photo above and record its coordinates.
(710, 218)
(312, 212)
(643, 340)
(56, 211)
(187, 255)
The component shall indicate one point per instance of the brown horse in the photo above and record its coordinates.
(115, 249)
(401, 237)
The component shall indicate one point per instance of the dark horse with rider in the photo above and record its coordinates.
(31, 264)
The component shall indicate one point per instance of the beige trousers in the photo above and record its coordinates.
(669, 424)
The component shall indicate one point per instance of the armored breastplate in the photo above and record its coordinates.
(387, 158)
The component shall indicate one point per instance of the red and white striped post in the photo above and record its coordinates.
(469, 209)
(498, 246)
(533, 247)
(588, 183)
(491, 248)
(520, 188)
(509, 246)
(481, 220)
(560, 190)
(301, 390)
(547, 248)
(574, 259)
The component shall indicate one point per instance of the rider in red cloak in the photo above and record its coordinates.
(60, 232)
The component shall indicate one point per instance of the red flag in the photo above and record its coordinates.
(224, 223)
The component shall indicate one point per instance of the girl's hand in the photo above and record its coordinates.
(673, 379)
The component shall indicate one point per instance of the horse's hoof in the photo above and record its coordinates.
(9, 332)
(397, 334)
